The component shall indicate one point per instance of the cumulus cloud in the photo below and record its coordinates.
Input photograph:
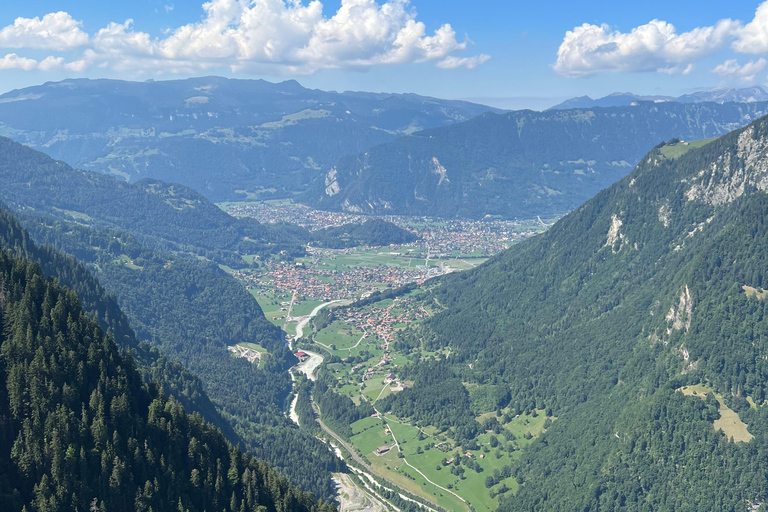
(55, 31)
(13, 61)
(273, 36)
(753, 37)
(655, 46)
(746, 72)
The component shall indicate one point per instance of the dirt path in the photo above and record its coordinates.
(414, 467)
(380, 393)
(365, 333)
(365, 464)
(290, 309)
(326, 347)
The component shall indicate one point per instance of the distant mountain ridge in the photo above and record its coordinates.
(517, 164)
(216, 135)
(162, 215)
(625, 99)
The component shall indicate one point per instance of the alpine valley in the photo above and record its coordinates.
(399, 303)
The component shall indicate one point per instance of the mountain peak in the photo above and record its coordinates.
(622, 99)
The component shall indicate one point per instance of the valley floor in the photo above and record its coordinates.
(357, 347)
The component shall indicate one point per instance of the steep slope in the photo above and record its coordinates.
(193, 312)
(178, 382)
(518, 164)
(166, 216)
(214, 134)
(83, 431)
(654, 284)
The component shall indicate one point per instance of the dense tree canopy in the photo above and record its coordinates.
(83, 429)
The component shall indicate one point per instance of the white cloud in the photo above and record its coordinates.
(56, 31)
(13, 61)
(269, 36)
(655, 47)
(746, 72)
(453, 62)
(753, 37)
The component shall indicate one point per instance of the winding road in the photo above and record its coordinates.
(308, 367)
(365, 464)
(392, 433)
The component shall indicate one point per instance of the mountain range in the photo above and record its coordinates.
(625, 99)
(226, 138)
(516, 164)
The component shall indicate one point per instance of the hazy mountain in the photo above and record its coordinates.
(164, 216)
(216, 135)
(654, 284)
(516, 164)
(746, 95)
(623, 99)
(617, 99)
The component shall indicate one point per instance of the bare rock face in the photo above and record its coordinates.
(733, 172)
(437, 168)
(680, 317)
(615, 235)
(331, 183)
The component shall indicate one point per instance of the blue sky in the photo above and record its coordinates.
(511, 53)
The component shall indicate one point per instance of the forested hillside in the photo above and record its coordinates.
(517, 164)
(192, 312)
(81, 431)
(167, 217)
(638, 321)
(375, 232)
(225, 138)
(176, 380)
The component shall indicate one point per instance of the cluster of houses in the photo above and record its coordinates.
(382, 321)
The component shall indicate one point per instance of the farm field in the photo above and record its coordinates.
(365, 374)
(427, 451)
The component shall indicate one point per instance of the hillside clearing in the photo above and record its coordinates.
(729, 421)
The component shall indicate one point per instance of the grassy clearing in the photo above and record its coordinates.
(757, 293)
(272, 305)
(339, 334)
(304, 306)
(254, 347)
(674, 151)
(729, 422)
(429, 451)
(128, 262)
